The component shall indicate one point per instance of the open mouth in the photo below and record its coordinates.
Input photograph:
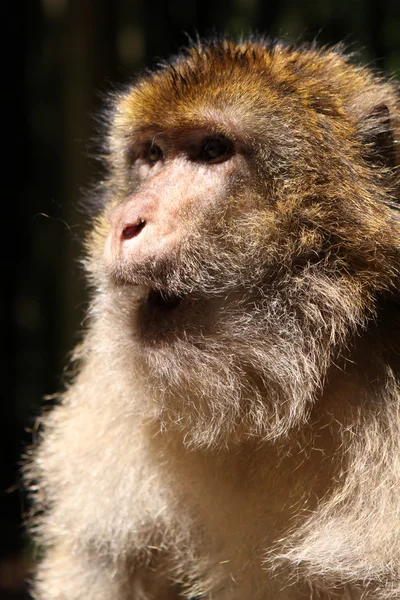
(163, 300)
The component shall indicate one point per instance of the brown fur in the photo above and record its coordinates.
(243, 444)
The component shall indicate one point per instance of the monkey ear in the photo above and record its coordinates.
(377, 133)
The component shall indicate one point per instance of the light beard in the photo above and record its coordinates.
(247, 362)
(229, 338)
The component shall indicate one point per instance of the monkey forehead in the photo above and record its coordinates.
(156, 103)
(240, 85)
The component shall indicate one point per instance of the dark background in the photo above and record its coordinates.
(59, 59)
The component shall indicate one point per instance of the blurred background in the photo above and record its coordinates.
(60, 58)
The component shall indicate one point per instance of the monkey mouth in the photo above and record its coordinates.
(158, 315)
(163, 300)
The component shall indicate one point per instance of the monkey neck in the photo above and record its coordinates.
(327, 484)
(356, 420)
(369, 371)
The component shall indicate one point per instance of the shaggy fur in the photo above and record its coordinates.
(233, 431)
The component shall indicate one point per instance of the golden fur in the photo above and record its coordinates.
(244, 445)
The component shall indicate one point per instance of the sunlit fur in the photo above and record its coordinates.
(244, 445)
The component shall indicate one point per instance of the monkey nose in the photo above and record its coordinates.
(132, 229)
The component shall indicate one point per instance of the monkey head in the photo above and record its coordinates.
(246, 233)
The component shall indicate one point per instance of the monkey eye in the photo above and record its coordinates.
(153, 153)
(216, 149)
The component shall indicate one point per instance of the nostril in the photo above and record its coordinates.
(131, 231)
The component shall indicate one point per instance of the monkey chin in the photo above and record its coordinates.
(170, 296)
(154, 312)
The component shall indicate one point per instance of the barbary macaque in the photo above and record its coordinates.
(233, 432)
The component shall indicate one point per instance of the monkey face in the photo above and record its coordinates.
(160, 236)
(186, 234)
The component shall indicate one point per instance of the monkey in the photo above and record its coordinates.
(232, 429)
